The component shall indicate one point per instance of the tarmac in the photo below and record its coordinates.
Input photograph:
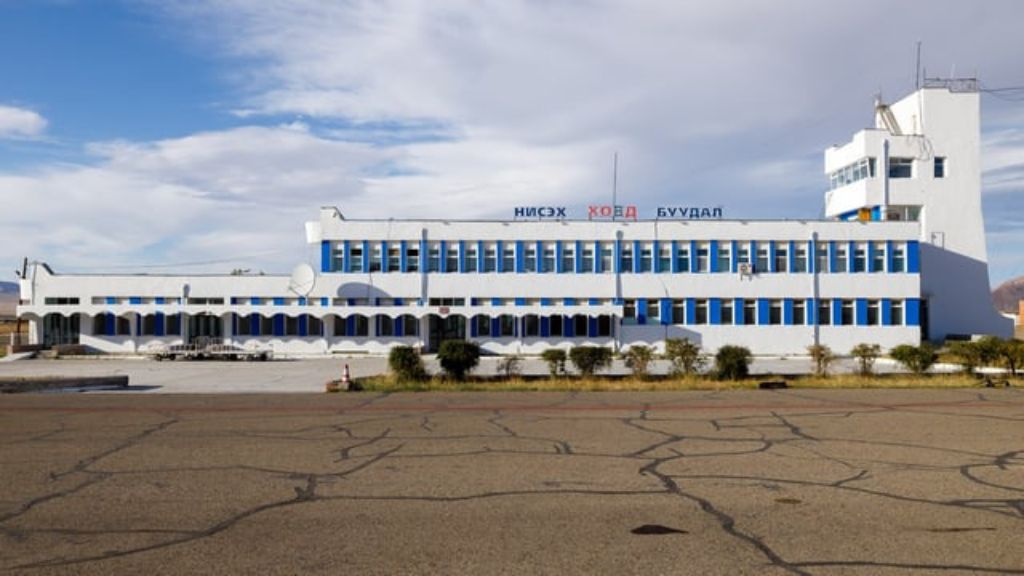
(737, 482)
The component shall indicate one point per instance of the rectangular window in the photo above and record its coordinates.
(653, 311)
(727, 315)
(362, 326)
(874, 318)
(899, 258)
(683, 257)
(434, 257)
(508, 258)
(775, 312)
(646, 258)
(530, 257)
(471, 257)
(267, 325)
(679, 311)
(761, 265)
(743, 254)
(483, 326)
(940, 167)
(841, 264)
(749, 312)
(627, 256)
(703, 257)
(665, 257)
(548, 260)
(394, 258)
(800, 259)
(451, 261)
(531, 326)
(781, 256)
(901, 167)
(60, 301)
(629, 312)
(386, 326)
(490, 258)
(588, 259)
(172, 325)
(355, 258)
(291, 326)
(607, 253)
(896, 313)
(580, 325)
(556, 326)
(878, 257)
(568, 257)
(604, 325)
(821, 257)
(701, 312)
(847, 311)
(724, 262)
(410, 325)
(338, 256)
(824, 312)
(860, 257)
(412, 259)
(507, 323)
(376, 258)
(799, 312)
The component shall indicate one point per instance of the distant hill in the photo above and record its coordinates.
(8, 298)
(8, 288)
(1008, 295)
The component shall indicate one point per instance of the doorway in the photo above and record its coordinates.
(60, 330)
(447, 328)
(205, 326)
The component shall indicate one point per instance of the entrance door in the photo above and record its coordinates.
(206, 326)
(60, 330)
(448, 328)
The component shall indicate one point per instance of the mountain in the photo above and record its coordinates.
(1008, 295)
(8, 288)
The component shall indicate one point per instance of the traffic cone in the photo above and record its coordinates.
(345, 382)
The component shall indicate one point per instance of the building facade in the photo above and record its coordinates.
(889, 267)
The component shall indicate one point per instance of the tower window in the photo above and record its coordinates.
(940, 167)
(901, 167)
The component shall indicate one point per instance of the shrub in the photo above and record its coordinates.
(732, 363)
(406, 364)
(590, 359)
(457, 357)
(822, 357)
(968, 355)
(989, 349)
(866, 354)
(638, 359)
(684, 356)
(555, 357)
(510, 366)
(1012, 355)
(917, 359)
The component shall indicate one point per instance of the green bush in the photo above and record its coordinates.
(555, 357)
(406, 364)
(638, 359)
(866, 354)
(590, 359)
(732, 363)
(457, 357)
(917, 359)
(989, 349)
(822, 357)
(684, 356)
(1011, 354)
(967, 354)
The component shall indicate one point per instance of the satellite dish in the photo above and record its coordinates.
(303, 279)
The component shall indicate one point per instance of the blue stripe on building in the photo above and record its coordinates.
(715, 311)
(520, 256)
(763, 311)
(734, 247)
(913, 257)
(579, 257)
(837, 312)
(636, 257)
(886, 312)
(499, 263)
(656, 257)
(403, 258)
(366, 255)
(870, 264)
(812, 256)
(462, 256)
(597, 257)
(545, 327)
(279, 324)
(792, 256)
(559, 253)
(346, 256)
(666, 311)
(833, 259)
(618, 256)
(675, 257)
(771, 257)
(862, 311)
(691, 311)
(443, 264)
(913, 312)
(811, 311)
(889, 260)
(787, 312)
(693, 255)
(641, 311)
(325, 256)
(713, 257)
(737, 311)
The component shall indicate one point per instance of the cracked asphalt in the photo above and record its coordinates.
(739, 482)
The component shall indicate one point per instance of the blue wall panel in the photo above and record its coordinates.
(787, 312)
(913, 257)
(763, 311)
(403, 259)
(713, 257)
(837, 312)
(666, 311)
(499, 264)
(862, 311)
(913, 312)
(641, 311)
(325, 256)
(886, 312)
(691, 311)
(715, 311)
(737, 311)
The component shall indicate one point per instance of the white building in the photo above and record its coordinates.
(903, 255)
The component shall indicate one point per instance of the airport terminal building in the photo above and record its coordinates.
(901, 256)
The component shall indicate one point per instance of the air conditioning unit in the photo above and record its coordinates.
(745, 269)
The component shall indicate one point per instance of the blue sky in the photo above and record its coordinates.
(150, 133)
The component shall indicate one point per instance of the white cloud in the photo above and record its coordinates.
(20, 123)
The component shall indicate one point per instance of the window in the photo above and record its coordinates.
(507, 325)
(410, 325)
(244, 326)
(627, 257)
(800, 259)
(338, 257)
(60, 301)
(451, 261)
(483, 325)
(362, 326)
(743, 254)
(678, 312)
(267, 325)
(841, 265)
(683, 258)
(665, 257)
(172, 325)
(508, 258)
(490, 258)
(899, 259)
(355, 259)
(799, 312)
(556, 325)
(412, 259)
(376, 257)
(749, 312)
(727, 315)
(878, 257)
(607, 253)
(604, 325)
(580, 325)
(781, 256)
(530, 258)
(471, 257)
(824, 312)
(701, 312)
(901, 167)
(629, 312)
(904, 213)
(568, 257)
(386, 326)
(394, 258)
(821, 257)
(860, 257)
(548, 262)
(775, 312)
(531, 326)
(702, 257)
(847, 313)
(588, 260)
(940, 167)
(859, 170)
(653, 311)
(874, 318)
(646, 258)
(896, 313)
(434, 257)
(762, 258)
(724, 261)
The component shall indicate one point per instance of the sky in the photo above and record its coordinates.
(199, 135)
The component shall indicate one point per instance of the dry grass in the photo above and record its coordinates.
(9, 327)
(569, 384)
